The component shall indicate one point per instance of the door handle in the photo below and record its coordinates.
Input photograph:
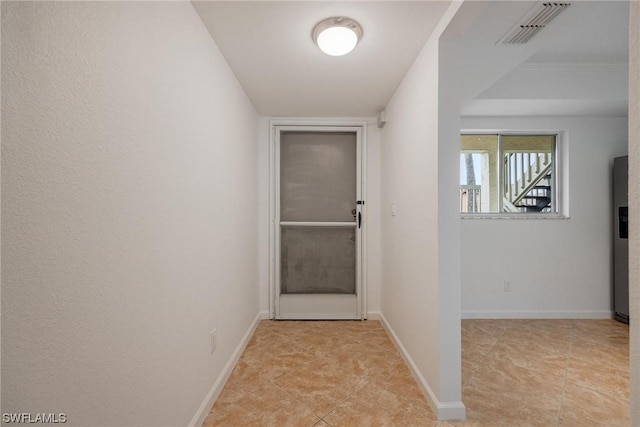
(359, 219)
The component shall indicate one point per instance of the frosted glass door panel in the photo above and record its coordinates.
(319, 260)
(317, 176)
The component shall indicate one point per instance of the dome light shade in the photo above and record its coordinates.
(337, 41)
(337, 36)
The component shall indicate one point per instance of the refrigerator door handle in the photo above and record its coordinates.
(623, 222)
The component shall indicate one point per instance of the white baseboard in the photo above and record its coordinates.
(444, 410)
(374, 315)
(213, 394)
(537, 314)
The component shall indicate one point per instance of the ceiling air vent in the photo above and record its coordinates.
(540, 16)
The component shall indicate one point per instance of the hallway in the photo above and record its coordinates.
(136, 219)
(515, 372)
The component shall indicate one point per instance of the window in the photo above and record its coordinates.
(508, 173)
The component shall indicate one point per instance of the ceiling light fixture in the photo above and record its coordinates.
(337, 36)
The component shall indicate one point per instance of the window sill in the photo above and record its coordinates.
(497, 215)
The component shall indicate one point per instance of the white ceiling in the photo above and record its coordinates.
(578, 67)
(269, 48)
(575, 66)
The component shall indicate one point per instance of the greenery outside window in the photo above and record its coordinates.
(508, 173)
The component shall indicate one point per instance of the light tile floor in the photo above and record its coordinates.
(546, 372)
(515, 373)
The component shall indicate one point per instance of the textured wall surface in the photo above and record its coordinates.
(634, 206)
(128, 217)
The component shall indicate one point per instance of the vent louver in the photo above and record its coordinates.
(523, 32)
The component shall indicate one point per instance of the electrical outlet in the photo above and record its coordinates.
(507, 286)
(393, 208)
(214, 340)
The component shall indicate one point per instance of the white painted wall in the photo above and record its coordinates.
(557, 267)
(372, 199)
(129, 222)
(634, 205)
(410, 248)
(420, 286)
(410, 238)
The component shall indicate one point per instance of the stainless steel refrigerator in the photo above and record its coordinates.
(621, 239)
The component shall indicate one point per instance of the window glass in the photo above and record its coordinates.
(507, 173)
(478, 173)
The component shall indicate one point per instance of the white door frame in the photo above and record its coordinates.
(360, 128)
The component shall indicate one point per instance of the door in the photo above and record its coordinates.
(318, 223)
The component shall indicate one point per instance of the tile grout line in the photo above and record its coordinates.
(566, 372)
(504, 331)
(484, 360)
(325, 421)
(484, 357)
(574, 335)
(322, 418)
(297, 398)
